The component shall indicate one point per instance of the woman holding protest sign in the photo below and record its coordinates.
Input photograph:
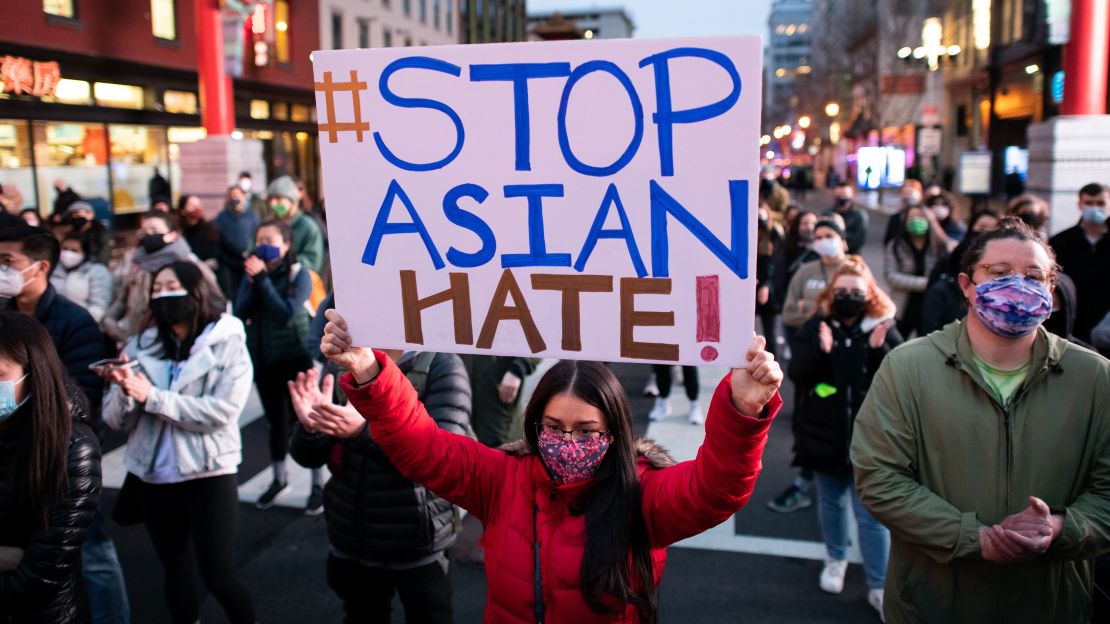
(578, 514)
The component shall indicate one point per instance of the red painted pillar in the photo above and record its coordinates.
(1088, 58)
(217, 102)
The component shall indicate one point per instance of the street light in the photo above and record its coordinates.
(765, 139)
(905, 52)
(832, 109)
(804, 121)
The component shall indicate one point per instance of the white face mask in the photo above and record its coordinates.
(71, 259)
(12, 281)
(828, 247)
(245, 185)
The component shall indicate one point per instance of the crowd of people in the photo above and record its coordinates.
(983, 442)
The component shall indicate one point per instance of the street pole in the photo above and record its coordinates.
(217, 110)
(1087, 58)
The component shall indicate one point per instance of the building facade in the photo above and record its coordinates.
(388, 23)
(113, 94)
(788, 60)
(595, 23)
(493, 21)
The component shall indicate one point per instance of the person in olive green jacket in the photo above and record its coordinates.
(985, 448)
(496, 383)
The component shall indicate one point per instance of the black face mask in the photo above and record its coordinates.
(1033, 220)
(154, 242)
(172, 310)
(843, 201)
(762, 223)
(849, 305)
(78, 222)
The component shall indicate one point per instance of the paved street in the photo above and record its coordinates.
(761, 566)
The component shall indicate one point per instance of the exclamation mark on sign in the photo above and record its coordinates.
(709, 314)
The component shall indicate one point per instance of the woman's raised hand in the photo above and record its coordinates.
(753, 387)
(337, 347)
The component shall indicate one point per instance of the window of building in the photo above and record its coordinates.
(60, 8)
(435, 13)
(387, 38)
(279, 111)
(423, 11)
(118, 95)
(281, 35)
(406, 6)
(260, 109)
(163, 22)
(74, 152)
(385, 3)
(183, 102)
(336, 31)
(363, 33)
(450, 16)
(302, 113)
(135, 151)
(15, 159)
(71, 91)
(1013, 20)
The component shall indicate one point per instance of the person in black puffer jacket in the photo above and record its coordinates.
(836, 354)
(387, 533)
(44, 512)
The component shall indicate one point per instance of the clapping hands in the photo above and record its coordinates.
(316, 411)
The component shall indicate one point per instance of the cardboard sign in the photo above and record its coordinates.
(581, 199)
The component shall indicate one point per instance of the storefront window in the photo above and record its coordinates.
(176, 136)
(73, 152)
(260, 109)
(182, 102)
(118, 95)
(135, 152)
(71, 92)
(280, 111)
(302, 113)
(61, 8)
(163, 22)
(15, 159)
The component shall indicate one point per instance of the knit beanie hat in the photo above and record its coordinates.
(284, 187)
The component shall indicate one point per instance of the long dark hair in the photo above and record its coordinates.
(208, 305)
(616, 533)
(40, 461)
(286, 232)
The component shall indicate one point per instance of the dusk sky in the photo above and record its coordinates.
(680, 18)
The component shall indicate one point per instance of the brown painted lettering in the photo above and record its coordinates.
(572, 287)
(412, 305)
(500, 310)
(631, 319)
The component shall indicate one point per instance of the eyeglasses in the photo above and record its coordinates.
(845, 292)
(580, 434)
(997, 271)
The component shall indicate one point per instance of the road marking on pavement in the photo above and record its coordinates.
(682, 440)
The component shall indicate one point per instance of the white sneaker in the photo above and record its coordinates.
(661, 410)
(697, 417)
(875, 599)
(651, 388)
(832, 576)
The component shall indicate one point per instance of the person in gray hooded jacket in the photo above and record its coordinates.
(181, 406)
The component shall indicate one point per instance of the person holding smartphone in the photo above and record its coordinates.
(181, 409)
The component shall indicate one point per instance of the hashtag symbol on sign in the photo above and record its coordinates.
(329, 89)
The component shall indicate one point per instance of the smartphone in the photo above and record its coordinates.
(113, 363)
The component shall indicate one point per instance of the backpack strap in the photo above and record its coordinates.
(418, 372)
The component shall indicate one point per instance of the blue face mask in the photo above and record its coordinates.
(267, 253)
(8, 406)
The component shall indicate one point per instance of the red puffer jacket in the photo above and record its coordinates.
(516, 500)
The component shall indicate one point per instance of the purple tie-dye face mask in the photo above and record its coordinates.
(1012, 306)
(572, 461)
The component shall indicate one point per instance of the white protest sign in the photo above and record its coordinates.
(580, 199)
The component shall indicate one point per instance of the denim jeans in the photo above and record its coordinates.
(834, 491)
(103, 576)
